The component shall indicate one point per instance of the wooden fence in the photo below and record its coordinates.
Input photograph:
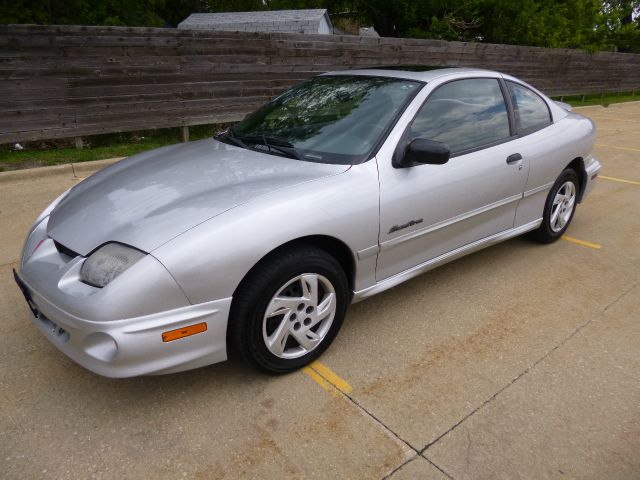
(74, 81)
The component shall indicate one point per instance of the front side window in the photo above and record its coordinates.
(464, 114)
(532, 112)
(328, 119)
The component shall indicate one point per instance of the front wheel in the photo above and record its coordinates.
(559, 207)
(288, 311)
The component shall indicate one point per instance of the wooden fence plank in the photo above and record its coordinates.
(73, 81)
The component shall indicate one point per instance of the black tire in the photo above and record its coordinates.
(256, 291)
(545, 233)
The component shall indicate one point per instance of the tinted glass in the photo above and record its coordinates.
(464, 114)
(531, 111)
(331, 119)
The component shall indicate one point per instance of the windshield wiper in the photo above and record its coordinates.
(276, 144)
(272, 144)
(230, 136)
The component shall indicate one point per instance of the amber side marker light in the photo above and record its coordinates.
(172, 335)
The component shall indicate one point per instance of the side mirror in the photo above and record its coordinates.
(422, 151)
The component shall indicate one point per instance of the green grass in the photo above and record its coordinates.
(596, 99)
(98, 147)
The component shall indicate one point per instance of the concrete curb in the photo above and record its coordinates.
(633, 102)
(598, 107)
(67, 169)
(614, 105)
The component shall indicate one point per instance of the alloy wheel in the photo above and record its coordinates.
(299, 316)
(562, 207)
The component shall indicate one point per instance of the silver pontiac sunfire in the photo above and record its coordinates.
(258, 239)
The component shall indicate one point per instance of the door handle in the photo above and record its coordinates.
(515, 158)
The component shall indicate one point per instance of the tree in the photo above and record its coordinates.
(590, 24)
(618, 26)
(82, 12)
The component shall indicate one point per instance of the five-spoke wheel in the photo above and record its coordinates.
(563, 205)
(559, 207)
(289, 308)
(299, 316)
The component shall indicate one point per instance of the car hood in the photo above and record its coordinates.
(150, 198)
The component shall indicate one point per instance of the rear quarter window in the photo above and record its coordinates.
(531, 111)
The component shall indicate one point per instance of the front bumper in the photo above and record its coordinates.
(133, 346)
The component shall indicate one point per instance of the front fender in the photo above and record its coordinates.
(209, 260)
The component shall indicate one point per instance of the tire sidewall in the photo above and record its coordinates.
(265, 286)
(547, 231)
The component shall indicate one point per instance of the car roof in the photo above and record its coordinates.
(420, 73)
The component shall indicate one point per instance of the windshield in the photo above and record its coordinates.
(328, 119)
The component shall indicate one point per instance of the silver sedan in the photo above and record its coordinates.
(258, 239)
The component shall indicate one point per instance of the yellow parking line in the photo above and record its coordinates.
(331, 377)
(619, 148)
(621, 180)
(325, 377)
(319, 380)
(581, 242)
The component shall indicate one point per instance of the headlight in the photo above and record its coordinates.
(107, 263)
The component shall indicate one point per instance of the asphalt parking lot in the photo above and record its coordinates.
(520, 361)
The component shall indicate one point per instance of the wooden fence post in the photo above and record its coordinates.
(185, 134)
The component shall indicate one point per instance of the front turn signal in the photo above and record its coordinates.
(178, 333)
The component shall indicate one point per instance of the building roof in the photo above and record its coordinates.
(269, 20)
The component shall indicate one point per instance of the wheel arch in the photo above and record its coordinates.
(332, 245)
(577, 164)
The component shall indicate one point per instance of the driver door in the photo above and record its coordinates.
(429, 210)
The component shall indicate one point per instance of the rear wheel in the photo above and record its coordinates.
(289, 310)
(559, 207)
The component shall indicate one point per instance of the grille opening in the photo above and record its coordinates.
(64, 250)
